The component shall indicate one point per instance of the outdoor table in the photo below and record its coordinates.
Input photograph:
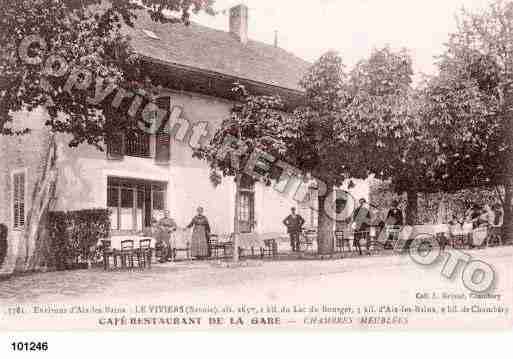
(115, 252)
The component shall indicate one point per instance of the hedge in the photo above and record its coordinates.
(72, 235)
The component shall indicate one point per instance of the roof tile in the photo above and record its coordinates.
(217, 51)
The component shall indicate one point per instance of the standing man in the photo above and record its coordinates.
(395, 215)
(166, 227)
(294, 223)
(394, 222)
(361, 225)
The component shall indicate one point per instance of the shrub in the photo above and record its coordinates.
(73, 234)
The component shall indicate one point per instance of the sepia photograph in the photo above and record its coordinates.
(178, 165)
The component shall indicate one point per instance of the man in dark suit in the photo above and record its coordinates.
(361, 225)
(395, 219)
(395, 215)
(294, 223)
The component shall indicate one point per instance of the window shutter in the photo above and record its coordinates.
(116, 146)
(163, 148)
(19, 200)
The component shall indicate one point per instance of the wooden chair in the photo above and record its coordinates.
(186, 249)
(341, 242)
(270, 249)
(309, 237)
(392, 236)
(127, 254)
(144, 254)
(213, 245)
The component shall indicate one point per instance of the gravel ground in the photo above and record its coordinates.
(382, 280)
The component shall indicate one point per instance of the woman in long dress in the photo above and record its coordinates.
(200, 235)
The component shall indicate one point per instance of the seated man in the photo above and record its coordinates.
(496, 221)
(165, 227)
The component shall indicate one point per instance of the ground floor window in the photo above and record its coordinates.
(135, 203)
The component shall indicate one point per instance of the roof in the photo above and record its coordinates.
(211, 50)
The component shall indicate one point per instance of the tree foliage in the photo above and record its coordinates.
(87, 35)
(468, 105)
(382, 120)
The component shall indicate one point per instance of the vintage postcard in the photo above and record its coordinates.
(186, 165)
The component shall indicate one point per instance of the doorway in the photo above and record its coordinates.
(246, 215)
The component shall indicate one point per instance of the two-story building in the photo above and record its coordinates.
(141, 176)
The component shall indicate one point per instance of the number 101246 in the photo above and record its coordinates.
(29, 346)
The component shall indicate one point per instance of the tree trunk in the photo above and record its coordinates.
(412, 207)
(507, 229)
(236, 229)
(325, 240)
(37, 250)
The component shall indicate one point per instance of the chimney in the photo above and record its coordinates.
(239, 22)
(276, 38)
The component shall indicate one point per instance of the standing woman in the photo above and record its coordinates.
(200, 235)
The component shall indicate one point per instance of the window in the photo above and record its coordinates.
(137, 144)
(158, 200)
(18, 195)
(134, 203)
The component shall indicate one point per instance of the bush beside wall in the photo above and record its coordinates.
(73, 234)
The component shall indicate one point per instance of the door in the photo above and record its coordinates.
(247, 211)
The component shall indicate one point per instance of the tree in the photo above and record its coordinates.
(257, 124)
(383, 124)
(325, 147)
(302, 143)
(468, 106)
(86, 36)
(44, 39)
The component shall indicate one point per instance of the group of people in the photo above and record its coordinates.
(166, 229)
(361, 220)
(480, 216)
(489, 217)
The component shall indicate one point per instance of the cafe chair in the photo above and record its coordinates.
(127, 254)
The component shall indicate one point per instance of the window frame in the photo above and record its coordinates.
(135, 186)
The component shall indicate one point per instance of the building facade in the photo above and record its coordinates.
(140, 177)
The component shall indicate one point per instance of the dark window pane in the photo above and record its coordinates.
(158, 200)
(112, 197)
(127, 198)
(22, 214)
(140, 199)
(16, 214)
(137, 144)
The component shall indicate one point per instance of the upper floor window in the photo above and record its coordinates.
(18, 195)
(138, 144)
